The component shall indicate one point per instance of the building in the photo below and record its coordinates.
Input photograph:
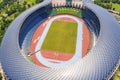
(100, 63)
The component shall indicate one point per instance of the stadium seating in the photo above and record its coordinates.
(99, 64)
(68, 10)
(32, 23)
(36, 18)
(92, 21)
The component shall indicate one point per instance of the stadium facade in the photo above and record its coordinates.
(100, 63)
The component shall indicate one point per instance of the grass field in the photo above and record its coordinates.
(30, 1)
(61, 37)
(116, 6)
(1, 1)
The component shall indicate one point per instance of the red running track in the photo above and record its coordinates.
(58, 55)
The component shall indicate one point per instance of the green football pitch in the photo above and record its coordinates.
(61, 37)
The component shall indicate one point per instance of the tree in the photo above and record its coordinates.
(38, 1)
(114, 1)
(0, 76)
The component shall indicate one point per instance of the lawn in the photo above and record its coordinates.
(30, 1)
(116, 6)
(1, 1)
(61, 37)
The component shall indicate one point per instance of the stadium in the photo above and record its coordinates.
(62, 40)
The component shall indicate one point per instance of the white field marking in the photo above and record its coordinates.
(44, 24)
(34, 41)
(78, 52)
(38, 38)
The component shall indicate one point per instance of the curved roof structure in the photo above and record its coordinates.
(99, 64)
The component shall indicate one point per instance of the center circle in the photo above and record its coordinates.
(51, 58)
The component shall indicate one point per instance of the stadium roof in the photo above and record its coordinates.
(99, 64)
